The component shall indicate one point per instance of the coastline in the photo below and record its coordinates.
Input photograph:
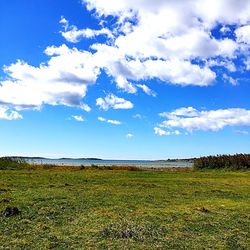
(157, 167)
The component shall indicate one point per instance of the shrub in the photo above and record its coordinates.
(234, 162)
(82, 167)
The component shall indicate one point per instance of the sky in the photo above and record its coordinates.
(124, 79)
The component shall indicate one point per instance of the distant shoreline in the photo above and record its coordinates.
(150, 164)
(159, 167)
(98, 159)
(47, 158)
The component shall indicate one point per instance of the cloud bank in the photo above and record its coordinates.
(146, 41)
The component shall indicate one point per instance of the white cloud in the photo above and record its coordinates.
(148, 40)
(225, 29)
(123, 83)
(211, 11)
(72, 34)
(191, 119)
(101, 119)
(64, 22)
(189, 112)
(226, 63)
(56, 83)
(115, 122)
(146, 89)
(161, 132)
(143, 49)
(229, 79)
(172, 70)
(247, 64)
(243, 34)
(7, 114)
(85, 107)
(182, 35)
(129, 136)
(112, 101)
(78, 118)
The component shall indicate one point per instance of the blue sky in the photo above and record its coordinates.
(123, 79)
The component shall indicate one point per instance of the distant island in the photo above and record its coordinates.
(46, 158)
(176, 160)
(89, 159)
(96, 159)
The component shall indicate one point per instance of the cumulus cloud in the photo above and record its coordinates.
(146, 40)
(115, 122)
(191, 119)
(211, 11)
(173, 70)
(174, 45)
(112, 101)
(56, 83)
(78, 118)
(143, 49)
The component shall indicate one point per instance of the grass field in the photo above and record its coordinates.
(107, 209)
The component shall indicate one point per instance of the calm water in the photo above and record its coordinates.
(105, 162)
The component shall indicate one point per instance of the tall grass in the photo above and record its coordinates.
(234, 162)
(12, 163)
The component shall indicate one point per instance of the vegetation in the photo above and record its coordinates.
(66, 208)
(233, 162)
(12, 163)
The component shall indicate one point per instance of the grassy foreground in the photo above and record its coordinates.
(103, 209)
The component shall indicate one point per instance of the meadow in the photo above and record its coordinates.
(79, 208)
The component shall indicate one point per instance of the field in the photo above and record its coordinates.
(111, 209)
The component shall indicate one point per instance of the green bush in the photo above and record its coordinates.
(11, 163)
(82, 167)
(234, 162)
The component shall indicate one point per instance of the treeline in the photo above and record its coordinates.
(234, 162)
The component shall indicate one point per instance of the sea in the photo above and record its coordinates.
(78, 162)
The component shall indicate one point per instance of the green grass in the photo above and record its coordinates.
(103, 209)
